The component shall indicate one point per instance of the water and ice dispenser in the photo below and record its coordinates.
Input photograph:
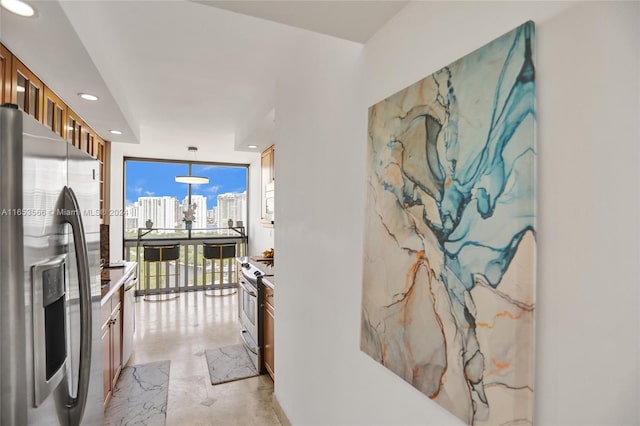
(49, 326)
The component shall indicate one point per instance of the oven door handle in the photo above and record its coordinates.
(246, 344)
(249, 291)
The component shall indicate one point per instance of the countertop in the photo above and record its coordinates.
(117, 277)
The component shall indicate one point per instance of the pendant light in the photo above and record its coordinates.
(195, 180)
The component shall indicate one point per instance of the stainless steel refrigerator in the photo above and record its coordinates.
(50, 346)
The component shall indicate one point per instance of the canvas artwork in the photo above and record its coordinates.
(448, 282)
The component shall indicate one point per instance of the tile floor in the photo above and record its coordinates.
(180, 330)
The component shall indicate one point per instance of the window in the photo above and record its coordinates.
(153, 199)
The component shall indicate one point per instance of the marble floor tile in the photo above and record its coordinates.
(140, 397)
(180, 331)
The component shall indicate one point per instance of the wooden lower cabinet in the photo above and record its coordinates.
(111, 344)
(116, 346)
(106, 363)
(268, 321)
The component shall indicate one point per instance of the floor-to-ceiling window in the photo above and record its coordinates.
(162, 212)
(153, 198)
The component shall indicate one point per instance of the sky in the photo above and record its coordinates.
(155, 179)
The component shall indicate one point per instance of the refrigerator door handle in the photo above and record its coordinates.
(72, 215)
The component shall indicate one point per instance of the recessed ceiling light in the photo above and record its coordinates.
(252, 146)
(18, 7)
(88, 96)
(115, 132)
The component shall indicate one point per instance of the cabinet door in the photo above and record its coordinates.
(106, 362)
(83, 137)
(101, 155)
(269, 352)
(116, 345)
(74, 129)
(267, 166)
(89, 140)
(55, 113)
(5, 74)
(27, 91)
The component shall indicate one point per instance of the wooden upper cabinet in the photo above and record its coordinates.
(267, 163)
(84, 137)
(55, 113)
(268, 176)
(74, 129)
(6, 61)
(101, 155)
(18, 85)
(91, 142)
(27, 91)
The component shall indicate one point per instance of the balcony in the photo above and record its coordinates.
(188, 271)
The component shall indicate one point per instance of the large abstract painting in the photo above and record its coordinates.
(448, 283)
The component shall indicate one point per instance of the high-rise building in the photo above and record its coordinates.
(166, 212)
(201, 210)
(212, 217)
(232, 206)
(160, 210)
(132, 217)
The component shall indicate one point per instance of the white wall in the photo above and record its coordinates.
(588, 334)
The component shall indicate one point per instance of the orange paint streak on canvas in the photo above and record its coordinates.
(448, 181)
(503, 314)
(394, 175)
(497, 368)
(500, 365)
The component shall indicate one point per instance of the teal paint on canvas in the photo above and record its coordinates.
(448, 283)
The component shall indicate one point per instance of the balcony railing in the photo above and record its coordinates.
(188, 271)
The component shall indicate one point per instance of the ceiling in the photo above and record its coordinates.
(178, 73)
(355, 20)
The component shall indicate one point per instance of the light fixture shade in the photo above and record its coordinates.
(192, 179)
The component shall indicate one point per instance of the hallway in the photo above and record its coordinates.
(180, 331)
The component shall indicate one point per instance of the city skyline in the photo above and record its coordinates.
(157, 179)
(167, 212)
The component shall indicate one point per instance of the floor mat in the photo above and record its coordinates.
(229, 363)
(140, 397)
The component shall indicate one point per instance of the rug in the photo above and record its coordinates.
(229, 363)
(140, 396)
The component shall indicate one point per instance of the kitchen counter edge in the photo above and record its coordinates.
(117, 277)
(269, 282)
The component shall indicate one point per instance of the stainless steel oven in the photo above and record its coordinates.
(249, 314)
